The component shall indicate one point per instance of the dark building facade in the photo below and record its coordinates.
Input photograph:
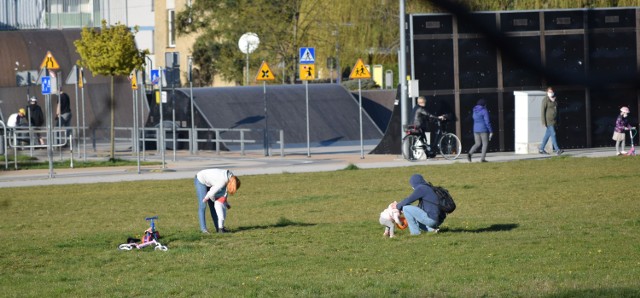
(589, 56)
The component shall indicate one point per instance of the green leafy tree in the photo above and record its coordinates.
(347, 30)
(110, 51)
(283, 26)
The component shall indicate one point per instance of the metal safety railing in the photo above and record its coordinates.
(61, 14)
(24, 139)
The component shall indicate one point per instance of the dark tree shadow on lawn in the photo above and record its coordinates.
(193, 236)
(606, 292)
(282, 222)
(491, 228)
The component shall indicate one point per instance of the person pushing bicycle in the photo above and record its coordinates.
(422, 117)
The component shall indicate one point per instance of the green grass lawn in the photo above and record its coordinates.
(559, 227)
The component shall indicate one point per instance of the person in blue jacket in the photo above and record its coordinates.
(482, 131)
(426, 216)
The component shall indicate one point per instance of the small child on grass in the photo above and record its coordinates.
(221, 205)
(389, 218)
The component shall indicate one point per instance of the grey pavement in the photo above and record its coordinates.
(253, 162)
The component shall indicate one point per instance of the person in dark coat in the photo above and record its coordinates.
(36, 117)
(549, 115)
(427, 216)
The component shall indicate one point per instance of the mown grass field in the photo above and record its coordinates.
(560, 227)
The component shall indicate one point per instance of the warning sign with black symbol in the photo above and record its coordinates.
(265, 73)
(360, 71)
(49, 62)
(307, 72)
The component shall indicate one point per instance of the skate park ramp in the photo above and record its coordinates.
(24, 50)
(333, 113)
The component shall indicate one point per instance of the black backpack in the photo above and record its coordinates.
(446, 201)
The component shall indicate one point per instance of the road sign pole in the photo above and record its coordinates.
(194, 134)
(77, 130)
(265, 74)
(143, 99)
(360, 112)
(136, 128)
(49, 133)
(160, 135)
(360, 72)
(306, 87)
(84, 131)
(266, 123)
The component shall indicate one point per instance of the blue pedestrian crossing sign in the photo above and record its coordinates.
(155, 76)
(307, 55)
(46, 85)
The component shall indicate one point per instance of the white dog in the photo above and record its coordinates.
(389, 217)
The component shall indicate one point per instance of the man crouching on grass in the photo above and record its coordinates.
(427, 216)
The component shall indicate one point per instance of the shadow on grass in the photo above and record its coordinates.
(282, 222)
(491, 228)
(192, 236)
(610, 292)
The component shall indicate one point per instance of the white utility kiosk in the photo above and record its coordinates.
(528, 126)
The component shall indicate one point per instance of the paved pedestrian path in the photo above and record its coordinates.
(253, 162)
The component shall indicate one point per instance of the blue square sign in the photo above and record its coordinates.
(46, 85)
(307, 55)
(155, 76)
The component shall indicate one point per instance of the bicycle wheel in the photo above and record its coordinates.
(450, 146)
(412, 148)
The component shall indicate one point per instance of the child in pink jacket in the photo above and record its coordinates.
(389, 217)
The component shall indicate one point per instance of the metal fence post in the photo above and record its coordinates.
(281, 143)
(217, 142)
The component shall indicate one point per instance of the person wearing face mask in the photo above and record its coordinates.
(549, 115)
(622, 125)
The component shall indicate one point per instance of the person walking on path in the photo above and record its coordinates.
(482, 131)
(549, 116)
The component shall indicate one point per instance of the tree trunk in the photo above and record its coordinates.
(112, 131)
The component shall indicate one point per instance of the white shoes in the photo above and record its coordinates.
(623, 152)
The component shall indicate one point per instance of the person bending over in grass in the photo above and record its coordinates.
(211, 184)
(427, 216)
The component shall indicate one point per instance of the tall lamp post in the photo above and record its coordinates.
(248, 43)
(336, 33)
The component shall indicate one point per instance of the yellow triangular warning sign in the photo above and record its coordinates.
(134, 83)
(265, 73)
(360, 71)
(49, 62)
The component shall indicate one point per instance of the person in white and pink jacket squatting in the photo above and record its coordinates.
(389, 217)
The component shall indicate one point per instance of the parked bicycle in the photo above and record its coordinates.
(415, 145)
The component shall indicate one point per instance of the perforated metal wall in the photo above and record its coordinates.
(589, 56)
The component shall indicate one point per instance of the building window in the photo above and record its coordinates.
(171, 28)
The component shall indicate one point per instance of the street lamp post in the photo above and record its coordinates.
(248, 43)
(336, 33)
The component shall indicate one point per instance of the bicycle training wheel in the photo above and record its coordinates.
(412, 149)
(450, 146)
